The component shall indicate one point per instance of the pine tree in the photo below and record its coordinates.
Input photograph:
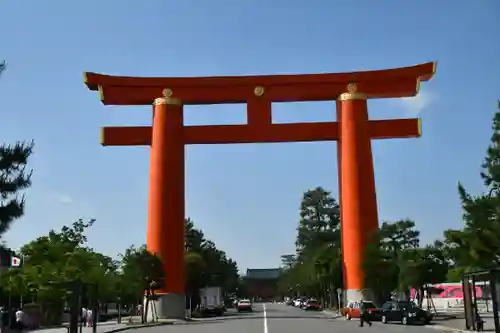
(477, 245)
(319, 220)
(491, 165)
(14, 177)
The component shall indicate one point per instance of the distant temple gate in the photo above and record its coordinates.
(262, 284)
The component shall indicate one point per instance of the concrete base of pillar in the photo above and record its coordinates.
(356, 295)
(167, 306)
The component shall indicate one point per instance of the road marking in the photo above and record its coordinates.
(265, 319)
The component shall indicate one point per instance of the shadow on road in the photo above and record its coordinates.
(444, 317)
(259, 315)
(229, 319)
(273, 313)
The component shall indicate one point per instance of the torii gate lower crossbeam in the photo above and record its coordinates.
(168, 136)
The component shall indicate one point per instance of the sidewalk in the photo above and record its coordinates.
(458, 325)
(108, 326)
(332, 313)
(101, 328)
(442, 322)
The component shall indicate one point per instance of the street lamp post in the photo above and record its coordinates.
(339, 297)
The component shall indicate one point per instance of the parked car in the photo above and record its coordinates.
(404, 312)
(311, 304)
(352, 310)
(303, 302)
(289, 301)
(244, 305)
(296, 302)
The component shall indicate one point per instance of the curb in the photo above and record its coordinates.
(43, 328)
(131, 327)
(332, 314)
(447, 329)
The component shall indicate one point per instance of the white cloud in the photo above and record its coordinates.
(413, 106)
(58, 198)
(65, 199)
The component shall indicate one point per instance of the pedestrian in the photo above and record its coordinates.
(364, 316)
(479, 321)
(83, 318)
(4, 319)
(19, 320)
(89, 318)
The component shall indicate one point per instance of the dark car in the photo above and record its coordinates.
(404, 312)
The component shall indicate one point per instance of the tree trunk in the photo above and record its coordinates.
(421, 295)
(335, 298)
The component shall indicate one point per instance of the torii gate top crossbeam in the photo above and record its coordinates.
(389, 83)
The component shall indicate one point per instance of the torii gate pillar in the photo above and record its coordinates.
(166, 199)
(359, 201)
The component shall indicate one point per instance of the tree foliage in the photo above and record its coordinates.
(477, 244)
(14, 177)
(52, 261)
(206, 265)
(319, 222)
(138, 269)
(315, 268)
(395, 263)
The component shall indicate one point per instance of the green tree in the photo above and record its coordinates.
(477, 244)
(195, 239)
(221, 271)
(14, 177)
(395, 262)
(194, 268)
(385, 256)
(211, 266)
(139, 268)
(421, 267)
(319, 222)
(316, 269)
(398, 236)
(295, 280)
(288, 260)
(54, 260)
(205, 265)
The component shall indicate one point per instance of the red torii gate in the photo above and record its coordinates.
(168, 136)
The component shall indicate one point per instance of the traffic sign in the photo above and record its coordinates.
(15, 262)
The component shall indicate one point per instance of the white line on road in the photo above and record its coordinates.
(265, 319)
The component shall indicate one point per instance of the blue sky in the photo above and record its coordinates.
(244, 197)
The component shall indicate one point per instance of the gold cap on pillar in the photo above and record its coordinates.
(167, 98)
(351, 94)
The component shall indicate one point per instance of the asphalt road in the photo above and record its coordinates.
(279, 318)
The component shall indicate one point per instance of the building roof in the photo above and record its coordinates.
(263, 273)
